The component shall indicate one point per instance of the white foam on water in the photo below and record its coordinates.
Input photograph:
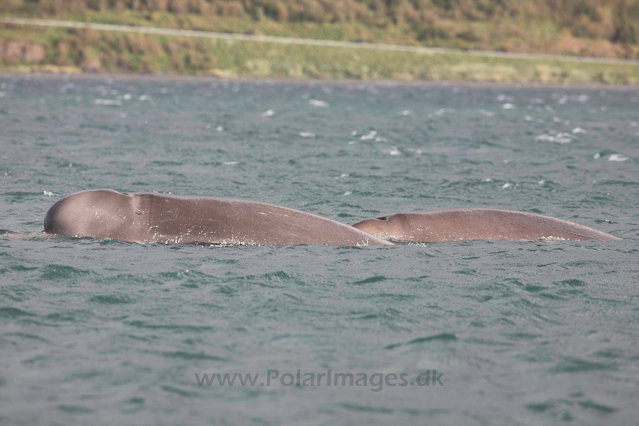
(230, 163)
(506, 185)
(416, 151)
(391, 151)
(144, 98)
(268, 113)
(318, 103)
(369, 136)
(617, 157)
(307, 134)
(48, 193)
(108, 102)
(443, 111)
(508, 106)
(557, 138)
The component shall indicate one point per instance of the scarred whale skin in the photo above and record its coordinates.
(477, 224)
(171, 219)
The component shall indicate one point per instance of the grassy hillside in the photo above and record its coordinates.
(603, 28)
(583, 27)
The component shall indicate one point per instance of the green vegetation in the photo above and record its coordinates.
(603, 28)
(581, 27)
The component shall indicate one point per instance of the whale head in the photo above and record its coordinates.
(97, 214)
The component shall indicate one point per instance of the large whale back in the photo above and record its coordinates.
(171, 219)
(477, 224)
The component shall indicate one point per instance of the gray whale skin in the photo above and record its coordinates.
(171, 219)
(477, 224)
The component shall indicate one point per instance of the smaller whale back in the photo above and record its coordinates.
(477, 224)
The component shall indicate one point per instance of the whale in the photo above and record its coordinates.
(477, 224)
(171, 219)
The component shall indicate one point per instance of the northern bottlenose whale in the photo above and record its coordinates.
(171, 219)
(477, 224)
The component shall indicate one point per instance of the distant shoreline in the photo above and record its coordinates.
(73, 47)
(306, 42)
(313, 81)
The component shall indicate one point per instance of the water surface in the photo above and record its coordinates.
(103, 332)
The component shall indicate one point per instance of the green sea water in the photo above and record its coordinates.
(476, 333)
